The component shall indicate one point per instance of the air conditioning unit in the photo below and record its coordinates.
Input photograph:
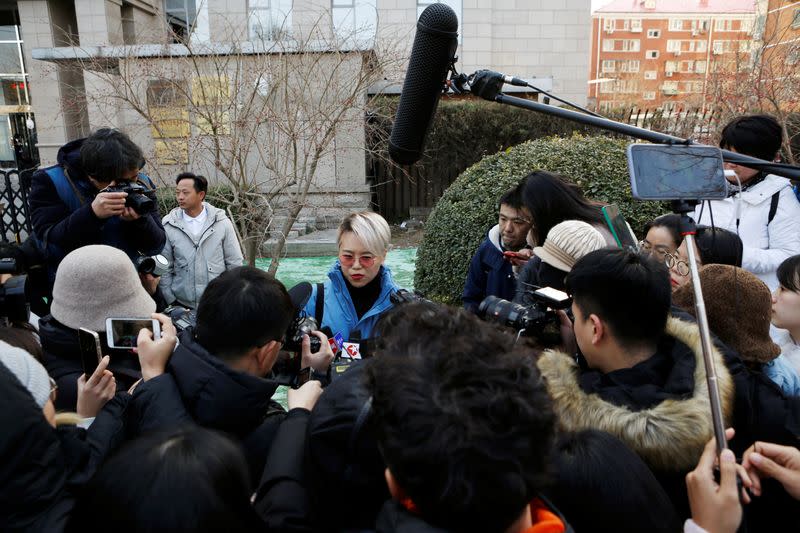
(668, 74)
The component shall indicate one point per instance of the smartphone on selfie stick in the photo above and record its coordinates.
(685, 175)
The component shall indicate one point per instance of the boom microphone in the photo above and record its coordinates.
(431, 55)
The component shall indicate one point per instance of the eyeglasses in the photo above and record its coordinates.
(53, 390)
(647, 248)
(348, 260)
(682, 267)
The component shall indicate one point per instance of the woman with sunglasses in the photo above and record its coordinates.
(712, 246)
(358, 287)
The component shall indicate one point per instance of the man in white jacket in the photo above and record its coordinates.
(201, 243)
(765, 212)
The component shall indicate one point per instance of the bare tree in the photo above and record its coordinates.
(261, 117)
(763, 77)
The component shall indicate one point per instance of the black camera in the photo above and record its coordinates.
(182, 317)
(13, 303)
(156, 265)
(301, 325)
(538, 319)
(140, 198)
(403, 296)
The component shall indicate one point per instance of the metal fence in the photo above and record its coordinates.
(15, 219)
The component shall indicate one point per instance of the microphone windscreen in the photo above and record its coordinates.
(432, 53)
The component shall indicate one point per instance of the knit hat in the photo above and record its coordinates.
(97, 282)
(567, 242)
(28, 371)
(739, 309)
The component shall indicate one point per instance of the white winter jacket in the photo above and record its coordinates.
(765, 245)
(194, 262)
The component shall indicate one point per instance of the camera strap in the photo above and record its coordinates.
(319, 304)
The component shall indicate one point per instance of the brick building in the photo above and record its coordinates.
(659, 54)
(778, 38)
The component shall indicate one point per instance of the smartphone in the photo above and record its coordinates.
(511, 255)
(123, 332)
(676, 172)
(91, 352)
(619, 228)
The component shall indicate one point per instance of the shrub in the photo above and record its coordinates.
(468, 209)
(220, 196)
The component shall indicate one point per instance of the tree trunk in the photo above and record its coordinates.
(251, 250)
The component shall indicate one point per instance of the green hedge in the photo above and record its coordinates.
(467, 209)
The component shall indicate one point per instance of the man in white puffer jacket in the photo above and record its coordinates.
(201, 243)
(768, 219)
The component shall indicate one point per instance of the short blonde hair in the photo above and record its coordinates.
(370, 228)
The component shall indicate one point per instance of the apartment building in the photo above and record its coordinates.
(661, 53)
(777, 38)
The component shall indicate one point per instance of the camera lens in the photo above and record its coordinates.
(139, 202)
(502, 311)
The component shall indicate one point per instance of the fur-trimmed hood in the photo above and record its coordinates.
(668, 436)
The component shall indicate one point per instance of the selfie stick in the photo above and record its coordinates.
(488, 85)
(688, 230)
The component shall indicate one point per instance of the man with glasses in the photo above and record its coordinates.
(71, 208)
(492, 271)
(216, 375)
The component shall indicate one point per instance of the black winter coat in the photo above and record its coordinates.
(61, 356)
(69, 230)
(41, 468)
(215, 396)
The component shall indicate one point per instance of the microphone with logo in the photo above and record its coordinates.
(432, 54)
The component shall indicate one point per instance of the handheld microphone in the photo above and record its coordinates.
(434, 47)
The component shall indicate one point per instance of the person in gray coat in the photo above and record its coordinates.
(201, 243)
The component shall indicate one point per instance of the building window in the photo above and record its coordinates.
(608, 86)
(609, 65)
(633, 65)
(269, 20)
(609, 25)
(455, 5)
(621, 45)
(723, 25)
(636, 25)
(653, 34)
(650, 74)
(671, 66)
(700, 67)
(354, 19)
(651, 54)
(687, 66)
(673, 45)
(649, 95)
(675, 24)
(181, 15)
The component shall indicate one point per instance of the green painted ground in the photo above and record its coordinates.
(293, 270)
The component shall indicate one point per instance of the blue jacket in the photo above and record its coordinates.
(489, 273)
(339, 312)
(781, 371)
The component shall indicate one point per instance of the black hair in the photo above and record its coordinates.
(789, 273)
(598, 480)
(630, 292)
(670, 222)
(754, 135)
(108, 153)
(513, 197)
(241, 309)
(199, 182)
(184, 479)
(462, 418)
(718, 246)
(552, 199)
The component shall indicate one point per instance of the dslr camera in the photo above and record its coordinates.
(156, 265)
(537, 319)
(140, 198)
(182, 317)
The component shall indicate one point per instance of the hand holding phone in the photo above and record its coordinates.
(121, 333)
(95, 389)
(518, 258)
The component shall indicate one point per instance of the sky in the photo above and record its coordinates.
(597, 4)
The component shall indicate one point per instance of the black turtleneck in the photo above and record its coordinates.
(364, 297)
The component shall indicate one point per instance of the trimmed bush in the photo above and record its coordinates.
(220, 196)
(468, 209)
